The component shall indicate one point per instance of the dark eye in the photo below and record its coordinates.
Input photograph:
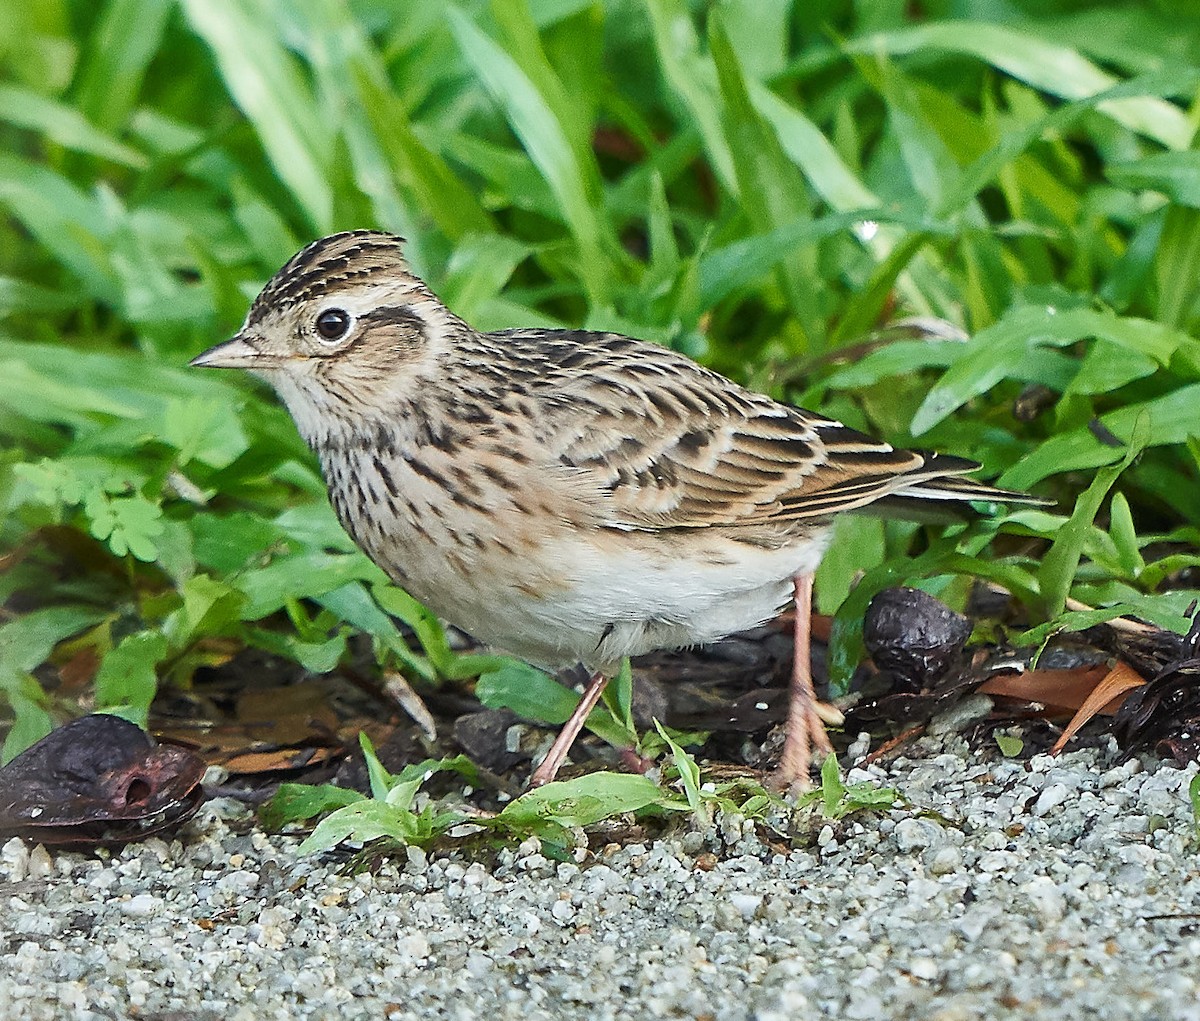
(333, 323)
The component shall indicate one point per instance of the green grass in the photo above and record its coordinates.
(760, 184)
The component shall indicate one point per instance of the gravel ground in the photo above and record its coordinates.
(1064, 888)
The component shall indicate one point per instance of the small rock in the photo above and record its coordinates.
(959, 716)
(944, 860)
(142, 906)
(484, 737)
(746, 904)
(1051, 798)
(41, 865)
(924, 968)
(14, 855)
(1047, 899)
(915, 834)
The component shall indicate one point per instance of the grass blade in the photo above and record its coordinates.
(544, 139)
(266, 82)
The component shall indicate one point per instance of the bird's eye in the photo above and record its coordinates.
(333, 324)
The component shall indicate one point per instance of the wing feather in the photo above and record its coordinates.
(669, 444)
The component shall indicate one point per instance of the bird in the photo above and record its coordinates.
(562, 495)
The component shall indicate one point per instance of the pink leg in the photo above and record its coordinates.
(805, 729)
(549, 766)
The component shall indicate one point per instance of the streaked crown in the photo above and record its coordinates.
(350, 261)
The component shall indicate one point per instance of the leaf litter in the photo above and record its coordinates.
(407, 763)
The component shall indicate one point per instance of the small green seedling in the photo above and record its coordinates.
(836, 800)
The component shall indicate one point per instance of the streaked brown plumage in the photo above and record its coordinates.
(567, 496)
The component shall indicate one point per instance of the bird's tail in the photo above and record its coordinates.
(939, 492)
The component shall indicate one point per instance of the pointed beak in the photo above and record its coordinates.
(236, 353)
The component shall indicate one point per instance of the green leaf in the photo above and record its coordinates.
(1057, 69)
(127, 680)
(530, 693)
(381, 780)
(692, 77)
(857, 546)
(772, 191)
(25, 643)
(318, 656)
(544, 139)
(128, 524)
(1010, 746)
(1062, 559)
(432, 636)
(726, 269)
(354, 604)
(364, 821)
(838, 800)
(580, 802)
(1175, 174)
(264, 79)
(64, 125)
(451, 764)
(1177, 266)
(298, 802)
(115, 58)
(990, 355)
(1194, 798)
(618, 696)
(209, 607)
(71, 225)
(307, 574)
(1172, 418)
(388, 814)
(833, 791)
(89, 389)
(1124, 536)
(689, 775)
(1167, 611)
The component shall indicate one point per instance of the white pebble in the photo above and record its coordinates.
(1053, 796)
(746, 903)
(141, 906)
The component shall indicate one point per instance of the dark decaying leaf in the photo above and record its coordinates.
(483, 736)
(1058, 691)
(751, 713)
(1165, 713)
(98, 781)
(913, 636)
(280, 728)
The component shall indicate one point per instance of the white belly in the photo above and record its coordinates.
(634, 600)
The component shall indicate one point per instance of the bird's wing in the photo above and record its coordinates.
(669, 444)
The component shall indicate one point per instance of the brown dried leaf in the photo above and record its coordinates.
(276, 760)
(1105, 698)
(80, 670)
(1062, 690)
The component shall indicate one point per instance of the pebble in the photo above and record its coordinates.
(1061, 892)
(1051, 798)
(960, 715)
(916, 834)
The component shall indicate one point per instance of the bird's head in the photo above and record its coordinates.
(343, 330)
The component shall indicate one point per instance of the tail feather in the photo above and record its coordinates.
(943, 482)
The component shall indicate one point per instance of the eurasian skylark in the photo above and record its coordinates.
(563, 495)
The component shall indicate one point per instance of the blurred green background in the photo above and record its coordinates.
(823, 199)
